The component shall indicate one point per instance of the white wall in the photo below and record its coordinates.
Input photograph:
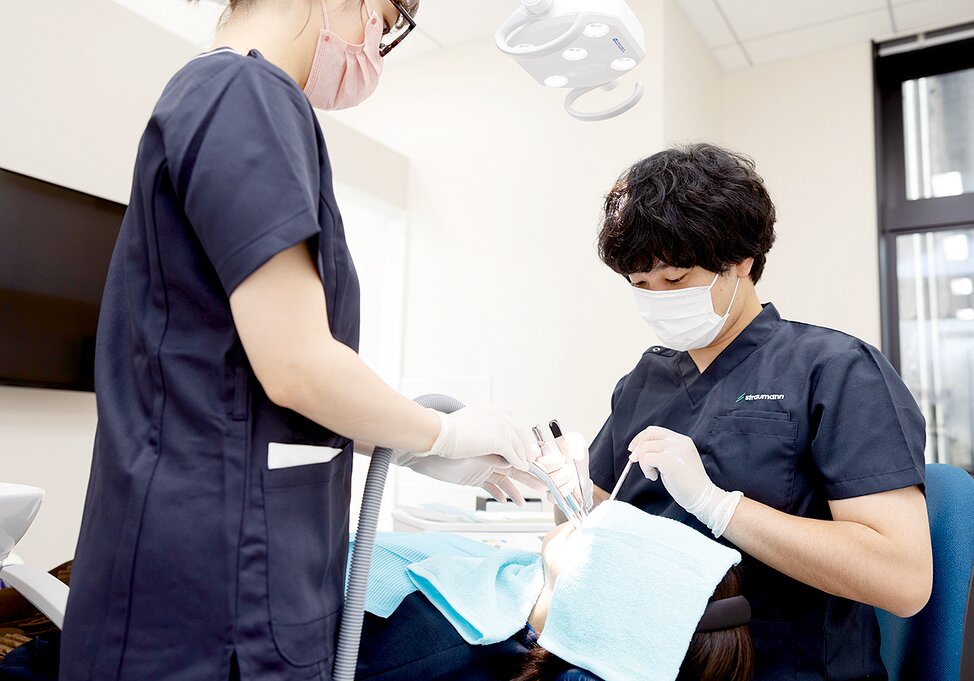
(692, 82)
(504, 282)
(808, 122)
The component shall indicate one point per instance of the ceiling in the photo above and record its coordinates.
(443, 23)
(743, 33)
(740, 33)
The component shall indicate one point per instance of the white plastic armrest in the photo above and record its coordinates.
(46, 592)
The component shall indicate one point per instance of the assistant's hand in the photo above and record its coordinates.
(568, 467)
(491, 472)
(479, 430)
(662, 452)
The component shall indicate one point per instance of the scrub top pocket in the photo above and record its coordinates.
(767, 442)
(301, 504)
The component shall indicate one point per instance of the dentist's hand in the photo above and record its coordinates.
(491, 472)
(480, 430)
(674, 457)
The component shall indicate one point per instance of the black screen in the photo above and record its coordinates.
(55, 246)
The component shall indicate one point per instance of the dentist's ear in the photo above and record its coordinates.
(743, 268)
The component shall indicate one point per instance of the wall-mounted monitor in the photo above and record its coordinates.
(55, 247)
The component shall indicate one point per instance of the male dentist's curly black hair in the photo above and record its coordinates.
(697, 205)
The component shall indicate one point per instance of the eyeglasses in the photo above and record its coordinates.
(398, 32)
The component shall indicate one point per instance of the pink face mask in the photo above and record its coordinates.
(344, 75)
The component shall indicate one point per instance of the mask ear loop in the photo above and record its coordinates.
(733, 297)
(324, 15)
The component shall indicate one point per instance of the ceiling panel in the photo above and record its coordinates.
(756, 18)
(913, 15)
(705, 16)
(451, 22)
(731, 58)
(849, 31)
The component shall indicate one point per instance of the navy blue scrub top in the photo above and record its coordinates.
(792, 415)
(191, 550)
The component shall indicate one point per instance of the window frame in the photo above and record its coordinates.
(898, 216)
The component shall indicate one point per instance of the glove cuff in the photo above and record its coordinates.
(714, 508)
(724, 512)
(444, 441)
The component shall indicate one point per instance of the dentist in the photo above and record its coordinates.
(229, 391)
(798, 444)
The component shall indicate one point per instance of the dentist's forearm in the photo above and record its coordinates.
(846, 559)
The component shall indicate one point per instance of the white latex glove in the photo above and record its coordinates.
(479, 430)
(491, 472)
(568, 467)
(661, 452)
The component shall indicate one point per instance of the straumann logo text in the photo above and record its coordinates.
(744, 397)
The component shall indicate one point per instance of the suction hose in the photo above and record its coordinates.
(350, 633)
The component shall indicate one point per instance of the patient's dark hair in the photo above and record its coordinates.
(726, 655)
(688, 206)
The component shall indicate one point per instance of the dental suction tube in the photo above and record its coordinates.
(350, 632)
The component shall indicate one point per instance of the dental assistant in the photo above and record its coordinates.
(797, 444)
(214, 536)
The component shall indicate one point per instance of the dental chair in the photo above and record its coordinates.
(937, 644)
(19, 505)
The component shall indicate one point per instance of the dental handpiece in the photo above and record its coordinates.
(563, 503)
(581, 470)
(568, 506)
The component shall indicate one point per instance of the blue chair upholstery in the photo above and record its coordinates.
(933, 644)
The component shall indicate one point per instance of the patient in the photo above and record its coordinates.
(586, 606)
(469, 592)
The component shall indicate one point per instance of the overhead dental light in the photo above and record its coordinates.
(583, 45)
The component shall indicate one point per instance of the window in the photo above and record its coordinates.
(925, 168)
(376, 233)
(938, 134)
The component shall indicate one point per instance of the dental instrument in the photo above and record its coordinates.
(584, 496)
(622, 479)
(583, 45)
(568, 505)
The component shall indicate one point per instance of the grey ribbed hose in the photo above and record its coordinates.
(350, 633)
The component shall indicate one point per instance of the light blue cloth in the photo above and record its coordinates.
(395, 551)
(630, 592)
(487, 600)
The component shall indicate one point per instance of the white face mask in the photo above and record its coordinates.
(683, 319)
